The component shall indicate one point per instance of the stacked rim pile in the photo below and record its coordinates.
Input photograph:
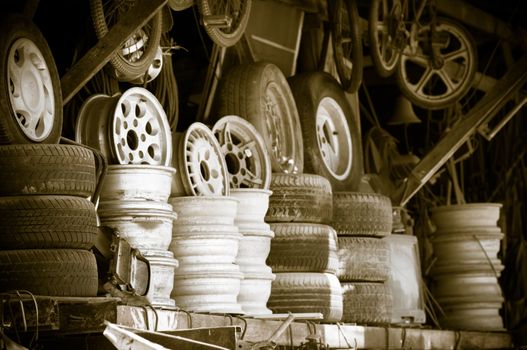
(303, 252)
(466, 271)
(361, 220)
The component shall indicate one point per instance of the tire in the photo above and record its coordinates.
(434, 97)
(219, 35)
(38, 169)
(259, 93)
(384, 66)
(52, 272)
(366, 303)
(350, 79)
(33, 121)
(362, 214)
(303, 198)
(103, 19)
(332, 145)
(307, 292)
(299, 247)
(31, 222)
(363, 259)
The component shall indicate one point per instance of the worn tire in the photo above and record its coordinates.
(39, 169)
(313, 91)
(299, 247)
(246, 91)
(303, 198)
(362, 214)
(31, 222)
(53, 272)
(364, 259)
(366, 303)
(307, 292)
(12, 28)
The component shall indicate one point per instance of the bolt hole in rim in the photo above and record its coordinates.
(282, 145)
(439, 82)
(30, 90)
(201, 163)
(246, 158)
(334, 138)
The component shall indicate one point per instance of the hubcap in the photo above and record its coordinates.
(30, 90)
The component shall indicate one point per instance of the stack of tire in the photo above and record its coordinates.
(361, 220)
(47, 222)
(303, 252)
(466, 269)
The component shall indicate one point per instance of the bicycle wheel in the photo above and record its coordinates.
(385, 37)
(137, 53)
(347, 43)
(225, 20)
(437, 84)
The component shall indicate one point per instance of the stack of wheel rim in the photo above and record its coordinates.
(47, 222)
(205, 238)
(304, 251)
(361, 220)
(132, 131)
(466, 270)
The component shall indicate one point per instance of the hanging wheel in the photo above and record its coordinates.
(201, 164)
(139, 50)
(246, 157)
(347, 43)
(438, 84)
(139, 130)
(225, 20)
(386, 38)
(30, 95)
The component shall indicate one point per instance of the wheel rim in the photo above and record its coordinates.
(279, 133)
(153, 70)
(30, 90)
(439, 83)
(203, 168)
(140, 131)
(247, 160)
(386, 34)
(334, 138)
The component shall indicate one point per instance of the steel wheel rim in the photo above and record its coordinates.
(30, 90)
(334, 138)
(203, 168)
(420, 59)
(279, 133)
(140, 132)
(386, 35)
(246, 158)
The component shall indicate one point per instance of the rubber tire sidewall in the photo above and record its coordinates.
(13, 27)
(308, 90)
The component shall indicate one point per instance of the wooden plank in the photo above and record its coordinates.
(100, 54)
(334, 335)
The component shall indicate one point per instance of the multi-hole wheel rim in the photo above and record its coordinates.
(139, 131)
(201, 164)
(280, 132)
(30, 90)
(246, 158)
(334, 138)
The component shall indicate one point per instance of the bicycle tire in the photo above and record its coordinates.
(125, 69)
(350, 79)
(384, 66)
(220, 36)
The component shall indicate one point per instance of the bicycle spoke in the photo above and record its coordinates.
(446, 79)
(419, 59)
(460, 53)
(424, 79)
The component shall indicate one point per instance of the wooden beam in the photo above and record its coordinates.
(95, 59)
